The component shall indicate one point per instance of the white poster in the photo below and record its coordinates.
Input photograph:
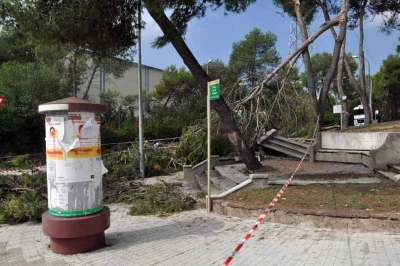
(55, 128)
(59, 196)
(73, 153)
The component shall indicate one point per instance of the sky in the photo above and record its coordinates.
(212, 36)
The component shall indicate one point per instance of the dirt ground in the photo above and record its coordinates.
(380, 200)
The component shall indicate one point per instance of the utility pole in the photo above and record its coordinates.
(141, 149)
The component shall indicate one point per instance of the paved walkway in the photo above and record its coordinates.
(198, 238)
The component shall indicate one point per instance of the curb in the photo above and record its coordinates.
(234, 209)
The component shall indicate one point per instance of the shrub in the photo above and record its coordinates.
(23, 198)
(158, 200)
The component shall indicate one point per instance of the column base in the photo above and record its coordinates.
(72, 235)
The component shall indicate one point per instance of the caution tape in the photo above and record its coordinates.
(13, 156)
(11, 171)
(268, 209)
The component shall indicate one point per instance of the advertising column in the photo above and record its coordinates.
(74, 165)
(76, 219)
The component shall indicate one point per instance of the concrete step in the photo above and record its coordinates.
(284, 150)
(202, 181)
(294, 142)
(232, 173)
(222, 183)
(389, 175)
(287, 144)
(364, 153)
(394, 168)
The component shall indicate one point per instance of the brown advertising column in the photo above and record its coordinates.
(76, 219)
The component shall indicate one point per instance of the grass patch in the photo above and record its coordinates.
(383, 197)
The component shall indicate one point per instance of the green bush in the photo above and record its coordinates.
(158, 200)
(21, 161)
(126, 164)
(23, 198)
(193, 145)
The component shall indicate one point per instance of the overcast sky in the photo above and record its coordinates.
(211, 37)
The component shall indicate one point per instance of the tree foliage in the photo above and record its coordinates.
(176, 103)
(14, 45)
(389, 10)
(387, 88)
(82, 23)
(26, 86)
(321, 64)
(309, 9)
(255, 56)
(119, 123)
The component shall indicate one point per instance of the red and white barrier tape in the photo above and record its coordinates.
(10, 171)
(268, 209)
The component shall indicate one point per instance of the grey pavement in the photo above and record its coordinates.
(200, 238)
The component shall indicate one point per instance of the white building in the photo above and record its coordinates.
(128, 84)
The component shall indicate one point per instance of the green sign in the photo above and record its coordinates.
(214, 90)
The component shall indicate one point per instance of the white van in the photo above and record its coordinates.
(359, 116)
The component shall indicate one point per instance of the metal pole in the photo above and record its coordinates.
(370, 87)
(209, 61)
(208, 149)
(341, 120)
(141, 149)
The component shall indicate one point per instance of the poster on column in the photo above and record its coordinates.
(55, 131)
(59, 195)
(82, 147)
(84, 128)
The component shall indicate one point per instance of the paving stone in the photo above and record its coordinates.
(200, 238)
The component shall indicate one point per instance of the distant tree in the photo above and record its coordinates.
(178, 100)
(14, 45)
(118, 121)
(398, 48)
(387, 88)
(321, 64)
(26, 85)
(297, 8)
(254, 57)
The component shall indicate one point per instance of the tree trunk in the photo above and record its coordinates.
(329, 76)
(95, 67)
(74, 84)
(367, 111)
(361, 49)
(307, 61)
(343, 98)
(235, 136)
(353, 81)
(324, 27)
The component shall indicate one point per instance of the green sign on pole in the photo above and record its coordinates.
(215, 91)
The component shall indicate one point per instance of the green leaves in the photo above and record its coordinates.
(255, 56)
(308, 8)
(386, 88)
(102, 26)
